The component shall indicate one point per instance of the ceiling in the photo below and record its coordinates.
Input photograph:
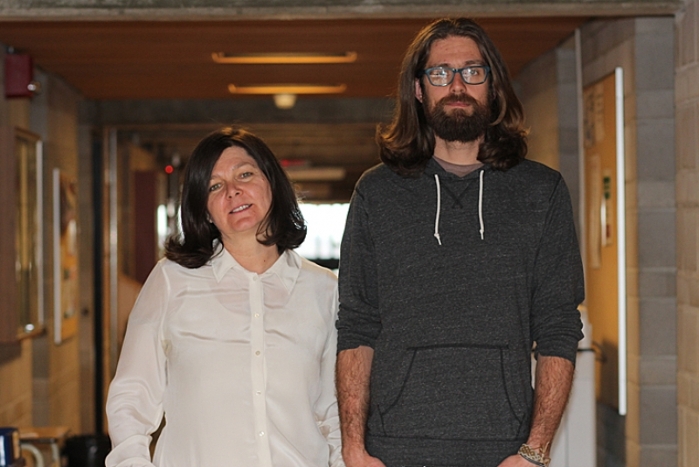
(142, 60)
(172, 59)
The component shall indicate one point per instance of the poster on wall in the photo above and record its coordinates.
(65, 257)
(605, 254)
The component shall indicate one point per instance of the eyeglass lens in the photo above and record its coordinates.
(443, 76)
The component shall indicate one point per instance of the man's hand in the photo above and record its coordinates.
(554, 378)
(360, 458)
(352, 377)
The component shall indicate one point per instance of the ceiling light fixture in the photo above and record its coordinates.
(283, 58)
(285, 100)
(314, 174)
(288, 89)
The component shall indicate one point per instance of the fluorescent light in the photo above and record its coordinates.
(283, 58)
(288, 89)
(308, 174)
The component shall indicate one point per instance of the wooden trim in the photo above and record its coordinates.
(9, 320)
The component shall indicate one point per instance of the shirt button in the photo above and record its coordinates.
(255, 278)
(257, 315)
(257, 353)
(258, 392)
(261, 433)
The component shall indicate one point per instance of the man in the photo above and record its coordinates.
(458, 256)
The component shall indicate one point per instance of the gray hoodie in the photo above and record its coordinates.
(451, 280)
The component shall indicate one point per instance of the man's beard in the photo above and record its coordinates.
(458, 126)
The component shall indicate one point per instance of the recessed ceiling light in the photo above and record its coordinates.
(283, 58)
(288, 89)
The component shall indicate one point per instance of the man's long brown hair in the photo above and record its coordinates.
(407, 143)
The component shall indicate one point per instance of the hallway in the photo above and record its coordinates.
(112, 123)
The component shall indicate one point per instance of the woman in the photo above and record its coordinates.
(232, 339)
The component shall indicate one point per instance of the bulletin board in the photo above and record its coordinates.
(605, 234)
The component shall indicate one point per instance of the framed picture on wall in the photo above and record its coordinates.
(65, 256)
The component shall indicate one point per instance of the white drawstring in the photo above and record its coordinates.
(439, 208)
(480, 205)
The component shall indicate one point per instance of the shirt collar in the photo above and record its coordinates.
(286, 268)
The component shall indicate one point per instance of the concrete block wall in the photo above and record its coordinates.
(644, 47)
(56, 369)
(656, 362)
(39, 380)
(548, 89)
(537, 86)
(606, 45)
(568, 147)
(15, 359)
(687, 173)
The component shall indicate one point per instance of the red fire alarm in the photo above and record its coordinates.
(19, 73)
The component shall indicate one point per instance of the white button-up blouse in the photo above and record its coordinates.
(240, 364)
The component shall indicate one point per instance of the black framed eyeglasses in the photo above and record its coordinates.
(443, 75)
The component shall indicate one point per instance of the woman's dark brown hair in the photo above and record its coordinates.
(283, 226)
(407, 143)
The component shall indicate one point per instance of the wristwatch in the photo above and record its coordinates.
(536, 456)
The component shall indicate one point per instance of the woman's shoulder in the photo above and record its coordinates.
(168, 270)
(321, 272)
(320, 283)
(314, 271)
(168, 266)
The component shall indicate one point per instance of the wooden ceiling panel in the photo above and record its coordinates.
(172, 59)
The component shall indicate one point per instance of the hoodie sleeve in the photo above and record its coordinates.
(359, 322)
(558, 286)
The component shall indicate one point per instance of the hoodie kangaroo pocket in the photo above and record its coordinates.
(455, 392)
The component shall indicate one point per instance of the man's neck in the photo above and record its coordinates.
(457, 152)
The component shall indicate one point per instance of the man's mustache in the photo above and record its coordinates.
(462, 99)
